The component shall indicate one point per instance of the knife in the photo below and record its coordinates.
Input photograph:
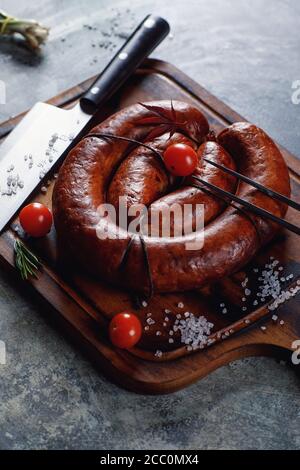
(46, 134)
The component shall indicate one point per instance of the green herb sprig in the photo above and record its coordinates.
(25, 261)
(33, 32)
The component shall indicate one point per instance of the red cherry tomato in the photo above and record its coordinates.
(180, 159)
(36, 219)
(125, 330)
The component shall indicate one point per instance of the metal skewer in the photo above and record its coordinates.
(263, 189)
(251, 207)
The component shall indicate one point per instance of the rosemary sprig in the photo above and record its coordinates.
(126, 139)
(25, 261)
(165, 120)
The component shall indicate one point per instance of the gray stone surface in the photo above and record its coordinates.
(245, 52)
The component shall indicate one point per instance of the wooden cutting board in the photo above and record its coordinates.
(83, 306)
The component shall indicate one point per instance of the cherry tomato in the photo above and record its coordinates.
(180, 159)
(125, 330)
(36, 219)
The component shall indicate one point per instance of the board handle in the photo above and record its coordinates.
(147, 36)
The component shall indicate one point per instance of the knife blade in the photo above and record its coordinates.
(46, 134)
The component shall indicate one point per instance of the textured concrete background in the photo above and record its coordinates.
(247, 53)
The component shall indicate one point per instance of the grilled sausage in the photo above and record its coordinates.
(230, 239)
(200, 200)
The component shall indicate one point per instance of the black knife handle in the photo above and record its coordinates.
(147, 36)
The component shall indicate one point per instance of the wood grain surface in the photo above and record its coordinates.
(84, 306)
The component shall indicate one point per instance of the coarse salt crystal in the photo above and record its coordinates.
(144, 303)
(180, 305)
(195, 331)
